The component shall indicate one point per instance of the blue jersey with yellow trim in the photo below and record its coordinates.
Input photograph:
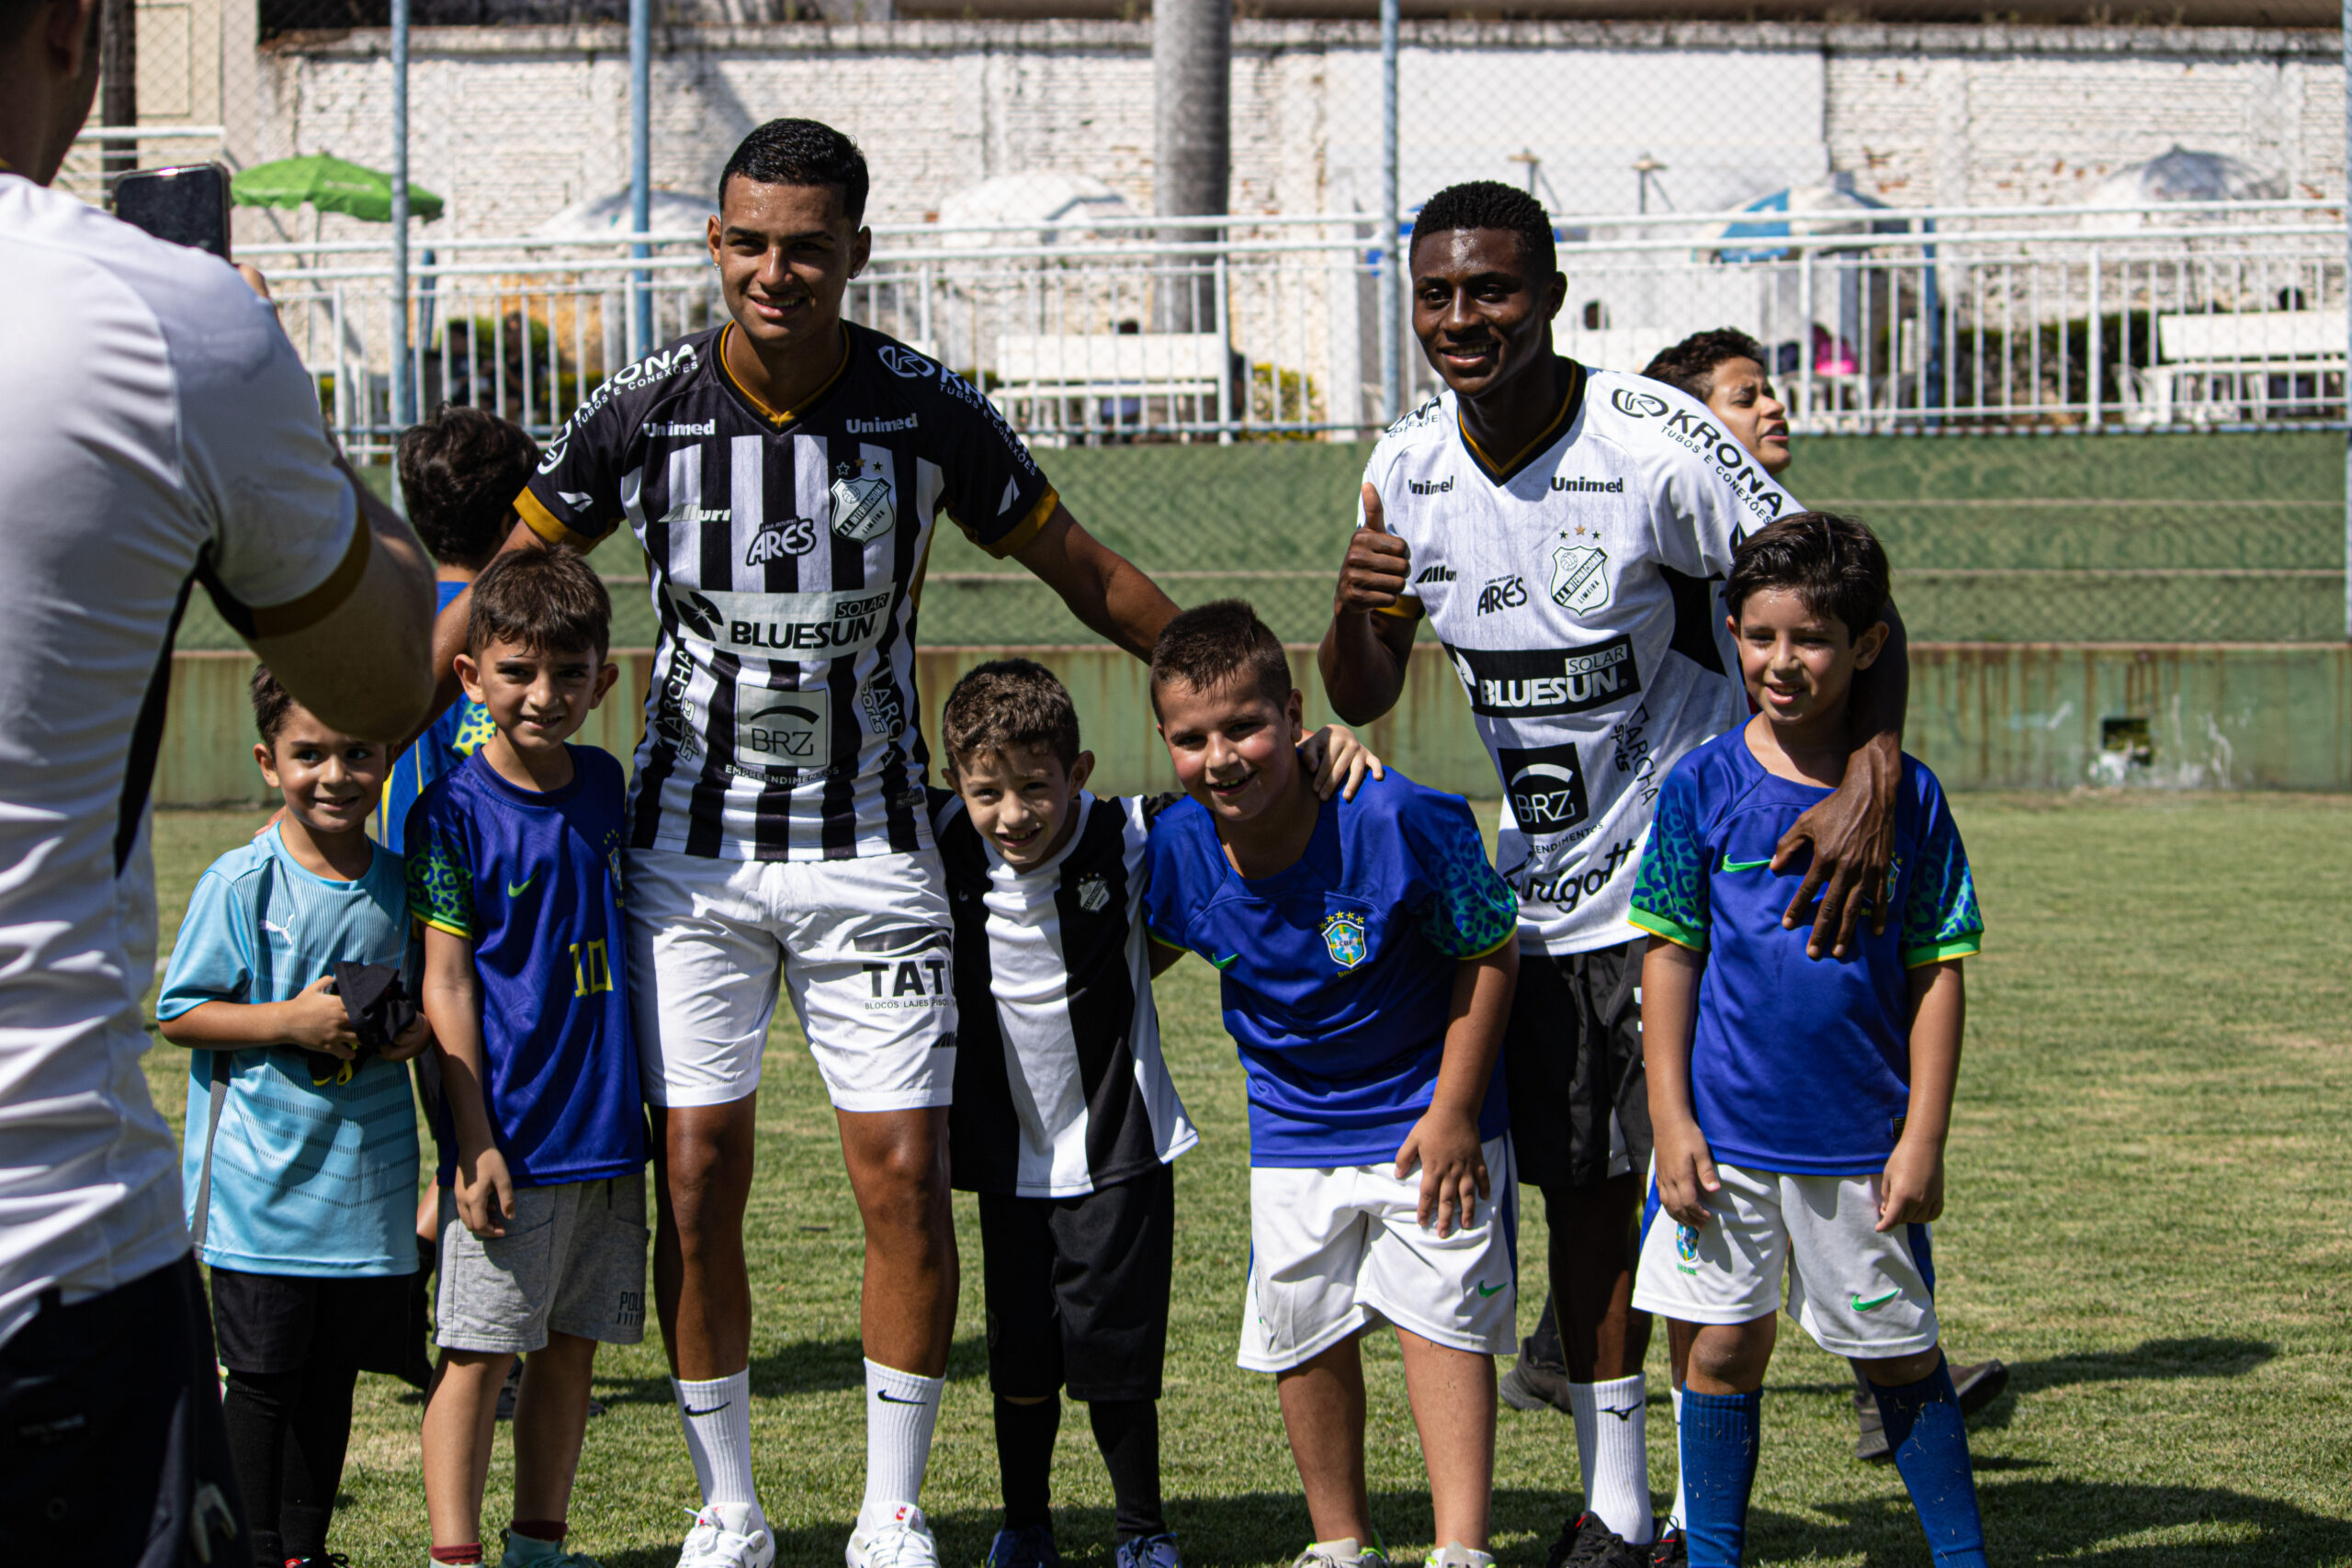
(1797, 1064)
(1339, 970)
(456, 734)
(533, 880)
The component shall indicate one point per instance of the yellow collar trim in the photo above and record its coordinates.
(781, 417)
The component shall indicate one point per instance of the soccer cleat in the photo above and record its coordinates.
(523, 1551)
(1341, 1553)
(1030, 1547)
(1670, 1550)
(1978, 1386)
(1148, 1551)
(1532, 1385)
(1586, 1543)
(904, 1543)
(729, 1535)
(1457, 1555)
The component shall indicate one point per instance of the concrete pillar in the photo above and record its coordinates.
(1192, 60)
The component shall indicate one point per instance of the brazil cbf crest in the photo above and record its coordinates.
(864, 503)
(1343, 936)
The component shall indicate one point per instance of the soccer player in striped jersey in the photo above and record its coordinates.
(1065, 1122)
(783, 472)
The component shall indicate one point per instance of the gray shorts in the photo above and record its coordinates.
(572, 1261)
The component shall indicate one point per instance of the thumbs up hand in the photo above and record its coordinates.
(1377, 566)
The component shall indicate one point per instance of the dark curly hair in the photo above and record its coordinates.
(272, 703)
(460, 471)
(800, 152)
(1007, 703)
(1835, 564)
(1218, 642)
(549, 601)
(1490, 204)
(1691, 364)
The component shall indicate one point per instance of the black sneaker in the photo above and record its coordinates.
(1670, 1550)
(1532, 1385)
(1586, 1543)
(1030, 1548)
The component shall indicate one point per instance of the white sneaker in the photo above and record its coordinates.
(904, 1543)
(1457, 1555)
(729, 1535)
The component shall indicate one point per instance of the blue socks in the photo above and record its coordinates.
(1931, 1444)
(1719, 1433)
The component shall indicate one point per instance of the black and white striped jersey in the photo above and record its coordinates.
(786, 549)
(1059, 1085)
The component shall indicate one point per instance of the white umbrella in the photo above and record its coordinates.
(1059, 205)
(667, 212)
(2178, 176)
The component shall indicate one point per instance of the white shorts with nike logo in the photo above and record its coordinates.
(1856, 1290)
(1334, 1251)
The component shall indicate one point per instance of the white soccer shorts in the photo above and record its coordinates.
(1334, 1251)
(1856, 1290)
(863, 945)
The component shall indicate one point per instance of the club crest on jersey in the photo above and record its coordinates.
(1580, 578)
(780, 537)
(864, 503)
(1092, 893)
(1343, 937)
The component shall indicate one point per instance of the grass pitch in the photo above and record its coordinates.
(2148, 1221)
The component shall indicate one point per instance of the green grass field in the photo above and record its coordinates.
(2149, 1222)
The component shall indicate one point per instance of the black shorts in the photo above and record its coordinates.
(112, 1445)
(282, 1322)
(1076, 1289)
(1572, 1055)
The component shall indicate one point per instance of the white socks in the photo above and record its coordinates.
(900, 1411)
(1612, 1454)
(1675, 1520)
(717, 1416)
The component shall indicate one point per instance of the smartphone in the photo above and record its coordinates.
(187, 205)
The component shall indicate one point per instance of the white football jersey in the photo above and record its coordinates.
(1575, 589)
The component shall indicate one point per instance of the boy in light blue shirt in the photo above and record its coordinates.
(299, 1169)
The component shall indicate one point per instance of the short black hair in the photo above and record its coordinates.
(1835, 564)
(1218, 642)
(549, 601)
(1006, 703)
(800, 152)
(1691, 364)
(460, 471)
(1490, 204)
(272, 703)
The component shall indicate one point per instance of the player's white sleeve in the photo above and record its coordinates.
(1707, 491)
(287, 535)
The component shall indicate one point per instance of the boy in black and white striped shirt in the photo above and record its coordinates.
(1064, 1119)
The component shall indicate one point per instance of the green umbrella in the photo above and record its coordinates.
(329, 185)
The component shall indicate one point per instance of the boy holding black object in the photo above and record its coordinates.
(1368, 952)
(1064, 1121)
(1800, 1108)
(512, 863)
(299, 1163)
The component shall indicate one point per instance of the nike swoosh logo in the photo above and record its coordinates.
(1488, 1289)
(1859, 1305)
(515, 890)
(1730, 864)
(886, 1397)
(1624, 1415)
(712, 1411)
(1227, 962)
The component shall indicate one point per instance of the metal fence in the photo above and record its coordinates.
(2222, 316)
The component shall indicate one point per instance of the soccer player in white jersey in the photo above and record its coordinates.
(783, 472)
(1561, 528)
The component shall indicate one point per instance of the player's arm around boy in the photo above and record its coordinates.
(512, 859)
(1800, 1108)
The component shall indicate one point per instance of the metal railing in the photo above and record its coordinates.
(2220, 315)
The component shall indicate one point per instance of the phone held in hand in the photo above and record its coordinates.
(187, 205)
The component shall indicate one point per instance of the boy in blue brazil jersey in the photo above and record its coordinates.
(299, 1169)
(512, 869)
(1367, 952)
(1800, 1108)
